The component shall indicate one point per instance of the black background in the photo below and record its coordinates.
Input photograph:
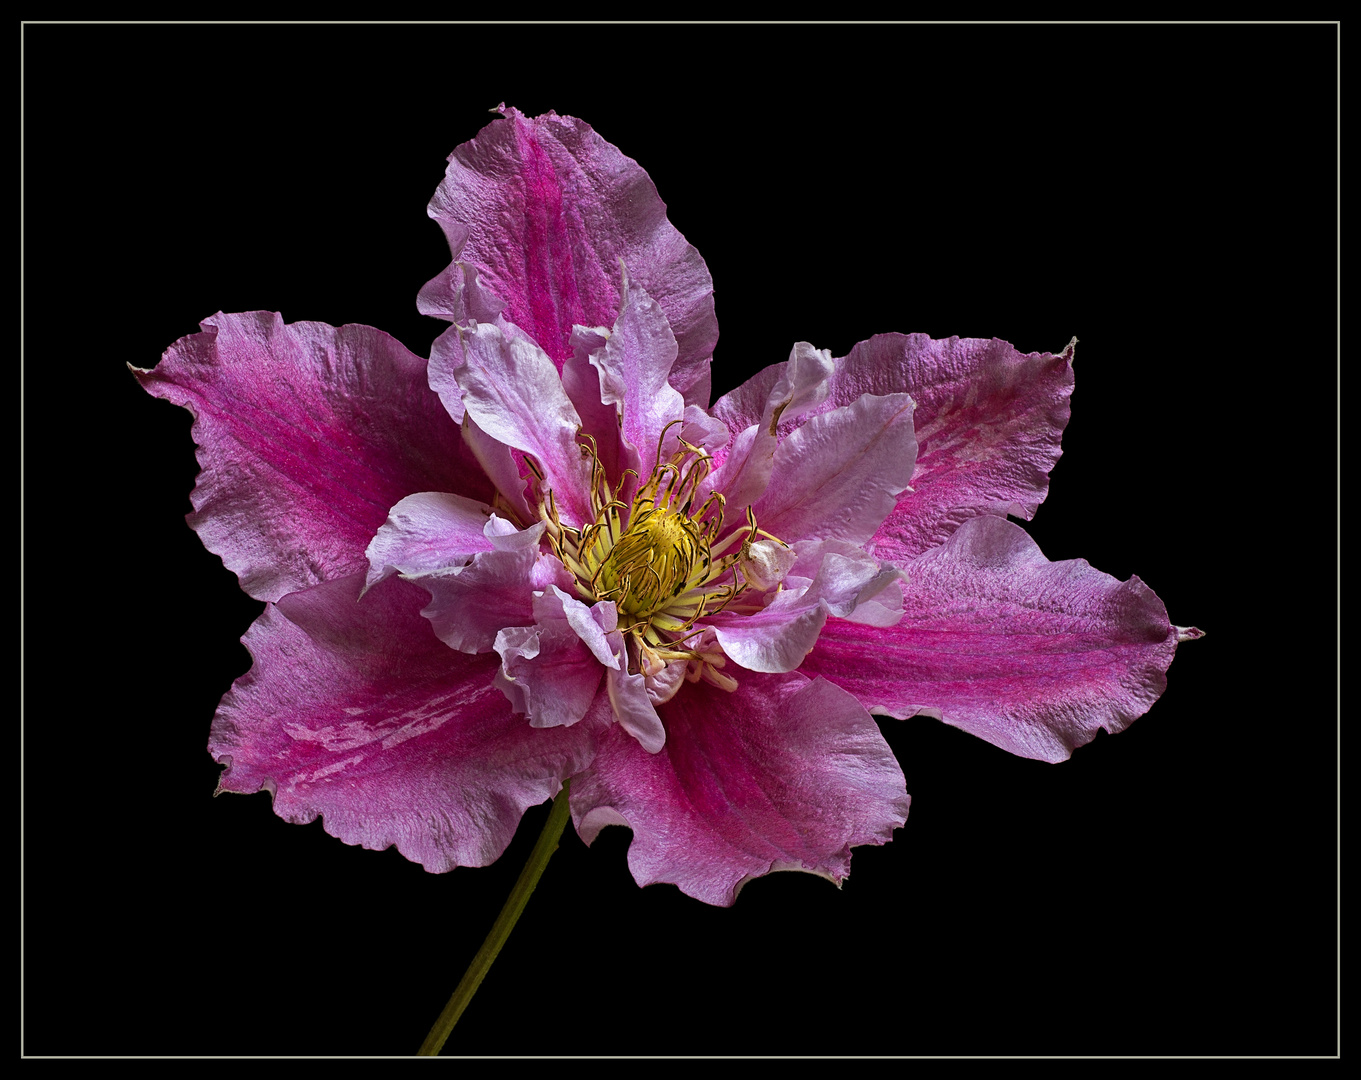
(1166, 194)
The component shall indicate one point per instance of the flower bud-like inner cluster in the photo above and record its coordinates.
(659, 558)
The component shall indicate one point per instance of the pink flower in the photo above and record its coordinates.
(540, 556)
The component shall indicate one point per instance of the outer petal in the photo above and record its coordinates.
(838, 475)
(355, 711)
(306, 436)
(1031, 655)
(782, 774)
(546, 208)
(988, 424)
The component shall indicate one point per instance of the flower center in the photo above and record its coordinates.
(658, 558)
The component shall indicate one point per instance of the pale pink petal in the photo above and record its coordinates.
(839, 474)
(546, 208)
(547, 671)
(581, 381)
(778, 637)
(988, 424)
(514, 393)
(767, 405)
(783, 773)
(470, 604)
(631, 703)
(634, 363)
(306, 436)
(508, 476)
(1031, 655)
(355, 711)
(430, 530)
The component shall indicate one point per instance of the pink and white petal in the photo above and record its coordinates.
(469, 605)
(547, 673)
(989, 421)
(430, 530)
(777, 397)
(1031, 655)
(839, 474)
(778, 637)
(581, 381)
(514, 393)
(307, 435)
(498, 461)
(630, 702)
(634, 363)
(546, 208)
(783, 773)
(744, 473)
(355, 711)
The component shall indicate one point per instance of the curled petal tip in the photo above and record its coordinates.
(1188, 633)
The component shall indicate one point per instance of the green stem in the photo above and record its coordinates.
(500, 931)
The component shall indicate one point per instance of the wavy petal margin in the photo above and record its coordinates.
(354, 710)
(782, 774)
(307, 435)
(545, 209)
(1033, 656)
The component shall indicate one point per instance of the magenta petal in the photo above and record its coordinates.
(1031, 655)
(469, 605)
(306, 436)
(546, 208)
(782, 774)
(355, 711)
(839, 474)
(988, 424)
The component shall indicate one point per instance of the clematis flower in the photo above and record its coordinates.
(539, 556)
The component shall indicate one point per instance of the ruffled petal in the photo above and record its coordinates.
(779, 636)
(988, 424)
(551, 671)
(430, 530)
(355, 711)
(306, 435)
(839, 474)
(634, 363)
(469, 605)
(784, 773)
(760, 410)
(546, 208)
(1031, 655)
(514, 393)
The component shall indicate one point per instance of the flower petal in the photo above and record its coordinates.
(355, 711)
(988, 424)
(546, 208)
(757, 411)
(306, 435)
(514, 393)
(778, 637)
(839, 474)
(430, 530)
(551, 671)
(634, 363)
(470, 604)
(784, 773)
(1030, 655)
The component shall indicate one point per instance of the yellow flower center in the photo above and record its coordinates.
(658, 558)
